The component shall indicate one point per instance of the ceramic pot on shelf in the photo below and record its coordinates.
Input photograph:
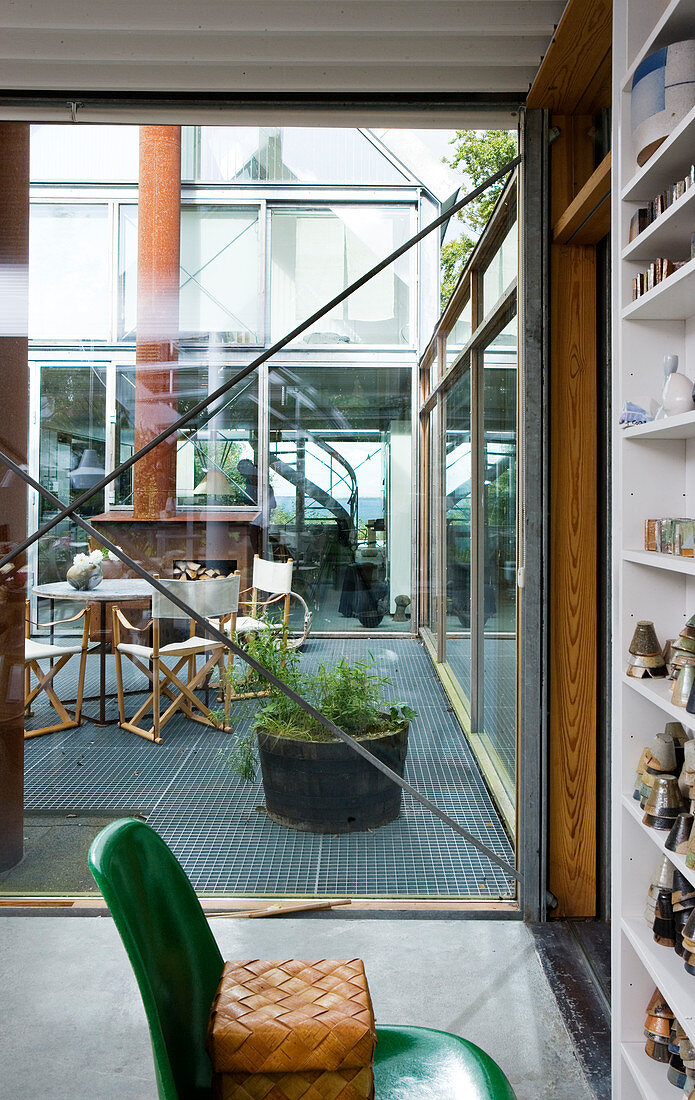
(677, 394)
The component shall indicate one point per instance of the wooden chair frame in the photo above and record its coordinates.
(166, 680)
(254, 604)
(45, 679)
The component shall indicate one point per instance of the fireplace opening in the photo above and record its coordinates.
(210, 568)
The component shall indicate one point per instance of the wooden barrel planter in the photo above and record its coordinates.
(325, 787)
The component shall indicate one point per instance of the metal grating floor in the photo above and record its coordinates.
(216, 825)
(499, 690)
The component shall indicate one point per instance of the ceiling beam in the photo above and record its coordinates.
(287, 16)
(575, 56)
(236, 78)
(456, 50)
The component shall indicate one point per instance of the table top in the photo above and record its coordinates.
(108, 591)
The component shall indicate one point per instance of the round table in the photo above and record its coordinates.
(119, 591)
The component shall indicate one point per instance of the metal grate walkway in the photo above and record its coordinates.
(215, 822)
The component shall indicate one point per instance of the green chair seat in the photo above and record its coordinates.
(178, 966)
(422, 1064)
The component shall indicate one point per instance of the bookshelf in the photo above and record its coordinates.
(653, 475)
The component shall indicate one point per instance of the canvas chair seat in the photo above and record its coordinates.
(245, 624)
(172, 670)
(43, 651)
(188, 648)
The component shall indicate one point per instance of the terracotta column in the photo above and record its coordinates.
(14, 385)
(159, 216)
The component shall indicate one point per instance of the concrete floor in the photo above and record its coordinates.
(74, 1028)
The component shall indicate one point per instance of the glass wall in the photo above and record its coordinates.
(311, 456)
(340, 475)
(477, 656)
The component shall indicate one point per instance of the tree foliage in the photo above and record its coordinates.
(476, 154)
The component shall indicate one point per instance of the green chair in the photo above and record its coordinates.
(178, 966)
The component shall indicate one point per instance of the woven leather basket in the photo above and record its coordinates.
(292, 1030)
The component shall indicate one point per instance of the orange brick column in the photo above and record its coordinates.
(14, 375)
(159, 215)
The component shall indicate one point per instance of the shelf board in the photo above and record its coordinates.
(670, 161)
(668, 235)
(671, 562)
(657, 692)
(674, 25)
(587, 219)
(671, 300)
(649, 1076)
(666, 970)
(681, 426)
(658, 838)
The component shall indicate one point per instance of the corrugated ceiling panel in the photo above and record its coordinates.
(232, 48)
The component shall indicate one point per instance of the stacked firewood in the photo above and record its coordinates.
(196, 570)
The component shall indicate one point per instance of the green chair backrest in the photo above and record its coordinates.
(171, 948)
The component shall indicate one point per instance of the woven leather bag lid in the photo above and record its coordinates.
(275, 1017)
(340, 1084)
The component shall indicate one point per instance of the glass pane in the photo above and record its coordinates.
(317, 253)
(499, 644)
(127, 271)
(459, 335)
(340, 471)
(220, 269)
(501, 271)
(217, 154)
(459, 482)
(220, 290)
(216, 455)
(433, 503)
(84, 154)
(69, 272)
(72, 457)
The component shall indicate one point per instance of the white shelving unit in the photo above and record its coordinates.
(653, 476)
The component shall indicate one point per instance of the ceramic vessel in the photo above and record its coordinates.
(663, 91)
(644, 641)
(84, 577)
(677, 396)
(663, 804)
(679, 835)
(683, 686)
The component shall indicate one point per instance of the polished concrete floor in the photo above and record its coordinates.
(74, 1028)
